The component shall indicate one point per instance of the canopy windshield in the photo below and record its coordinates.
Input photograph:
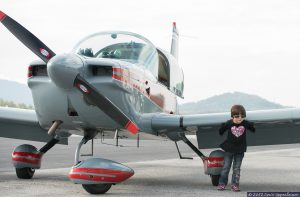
(124, 46)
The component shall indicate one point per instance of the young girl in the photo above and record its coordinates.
(234, 146)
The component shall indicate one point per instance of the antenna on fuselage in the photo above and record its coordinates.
(174, 44)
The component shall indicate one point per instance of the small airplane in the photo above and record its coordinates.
(117, 83)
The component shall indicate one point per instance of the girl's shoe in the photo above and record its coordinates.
(221, 187)
(235, 188)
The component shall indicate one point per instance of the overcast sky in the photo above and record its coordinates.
(248, 46)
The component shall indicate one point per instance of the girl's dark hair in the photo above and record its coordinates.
(237, 110)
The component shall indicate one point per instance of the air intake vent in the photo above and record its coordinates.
(101, 70)
(39, 70)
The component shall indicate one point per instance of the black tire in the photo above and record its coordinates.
(215, 179)
(96, 188)
(25, 173)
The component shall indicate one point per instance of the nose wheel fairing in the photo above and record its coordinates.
(99, 171)
(96, 174)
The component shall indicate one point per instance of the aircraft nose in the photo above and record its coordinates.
(63, 69)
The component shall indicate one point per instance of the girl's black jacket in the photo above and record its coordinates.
(236, 138)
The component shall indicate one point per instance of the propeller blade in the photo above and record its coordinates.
(104, 104)
(27, 38)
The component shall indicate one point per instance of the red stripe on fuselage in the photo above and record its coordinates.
(134, 79)
(117, 69)
(2, 16)
(117, 77)
(128, 81)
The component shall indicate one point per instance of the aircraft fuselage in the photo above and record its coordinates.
(130, 87)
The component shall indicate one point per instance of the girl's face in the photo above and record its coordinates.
(237, 119)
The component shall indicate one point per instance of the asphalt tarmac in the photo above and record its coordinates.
(158, 170)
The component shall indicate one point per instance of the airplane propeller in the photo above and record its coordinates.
(104, 104)
(58, 71)
(27, 38)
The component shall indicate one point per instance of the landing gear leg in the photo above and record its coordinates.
(26, 158)
(90, 188)
(49, 145)
(192, 146)
(214, 177)
(212, 165)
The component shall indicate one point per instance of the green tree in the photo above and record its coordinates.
(5, 103)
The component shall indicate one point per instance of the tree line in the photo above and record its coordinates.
(5, 103)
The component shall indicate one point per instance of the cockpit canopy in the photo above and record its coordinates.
(125, 46)
(133, 48)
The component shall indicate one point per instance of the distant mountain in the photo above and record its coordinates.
(20, 93)
(16, 92)
(223, 103)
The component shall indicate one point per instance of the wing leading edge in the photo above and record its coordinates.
(278, 126)
(22, 124)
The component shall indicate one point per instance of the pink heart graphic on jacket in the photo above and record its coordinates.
(238, 131)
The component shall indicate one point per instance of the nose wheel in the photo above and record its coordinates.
(97, 175)
(96, 188)
(100, 188)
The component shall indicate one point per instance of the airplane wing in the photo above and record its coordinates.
(22, 124)
(278, 126)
